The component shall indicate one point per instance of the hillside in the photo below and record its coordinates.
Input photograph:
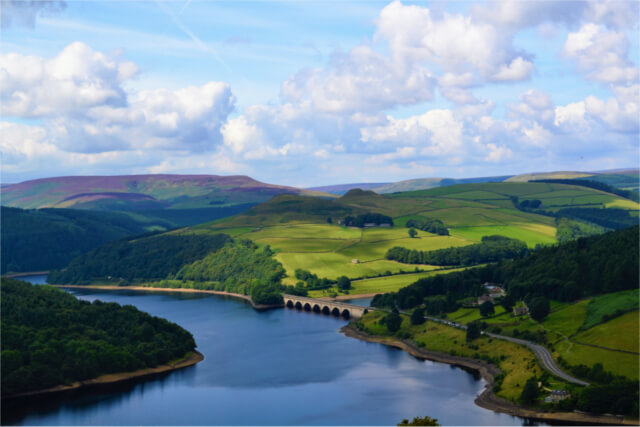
(142, 192)
(426, 183)
(36, 240)
(341, 189)
(298, 228)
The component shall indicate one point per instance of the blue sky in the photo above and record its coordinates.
(318, 92)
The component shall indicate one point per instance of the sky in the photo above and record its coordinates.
(310, 93)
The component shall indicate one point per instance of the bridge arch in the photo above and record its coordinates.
(316, 308)
(346, 313)
(289, 304)
(307, 307)
(298, 305)
(336, 311)
(326, 310)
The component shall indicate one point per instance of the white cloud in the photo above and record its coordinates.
(25, 12)
(519, 69)
(76, 79)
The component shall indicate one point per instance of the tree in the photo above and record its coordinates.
(530, 391)
(486, 309)
(473, 331)
(507, 302)
(412, 233)
(329, 220)
(417, 317)
(344, 283)
(539, 308)
(420, 421)
(393, 321)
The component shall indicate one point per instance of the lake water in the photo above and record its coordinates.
(280, 367)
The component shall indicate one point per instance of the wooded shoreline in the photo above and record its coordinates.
(487, 399)
(108, 379)
(258, 307)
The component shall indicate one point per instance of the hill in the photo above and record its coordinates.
(36, 240)
(142, 192)
(426, 183)
(305, 234)
(341, 189)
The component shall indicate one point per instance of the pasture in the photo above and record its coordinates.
(620, 333)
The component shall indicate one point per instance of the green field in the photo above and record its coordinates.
(613, 361)
(297, 227)
(608, 304)
(620, 333)
(567, 320)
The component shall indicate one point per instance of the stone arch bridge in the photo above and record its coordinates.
(315, 305)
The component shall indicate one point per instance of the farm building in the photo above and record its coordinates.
(521, 310)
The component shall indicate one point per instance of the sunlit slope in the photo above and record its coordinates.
(298, 227)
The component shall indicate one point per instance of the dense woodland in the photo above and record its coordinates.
(49, 337)
(491, 249)
(153, 257)
(44, 239)
(368, 218)
(565, 272)
(434, 226)
(240, 267)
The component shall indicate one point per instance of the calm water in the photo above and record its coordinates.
(281, 367)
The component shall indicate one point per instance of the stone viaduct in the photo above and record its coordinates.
(335, 308)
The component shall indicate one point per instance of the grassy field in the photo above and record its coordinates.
(385, 283)
(608, 304)
(297, 227)
(518, 363)
(619, 333)
(619, 363)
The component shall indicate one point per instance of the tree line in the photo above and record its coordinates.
(596, 185)
(153, 257)
(491, 249)
(367, 218)
(434, 226)
(565, 272)
(50, 337)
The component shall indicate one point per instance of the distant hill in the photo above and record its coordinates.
(427, 183)
(142, 192)
(36, 240)
(526, 177)
(340, 189)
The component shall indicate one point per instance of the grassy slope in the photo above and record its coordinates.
(297, 226)
(570, 326)
(518, 364)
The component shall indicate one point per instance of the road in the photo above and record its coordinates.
(541, 353)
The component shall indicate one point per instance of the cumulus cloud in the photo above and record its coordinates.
(76, 79)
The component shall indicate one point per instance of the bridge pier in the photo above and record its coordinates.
(335, 308)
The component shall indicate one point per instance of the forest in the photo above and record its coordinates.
(50, 337)
(564, 272)
(596, 185)
(44, 239)
(153, 257)
(434, 226)
(491, 249)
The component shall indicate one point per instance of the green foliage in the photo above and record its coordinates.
(611, 218)
(393, 321)
(605, 307)
(417, 317)
(530, 392)
(412, 232)
(568, 229)
(597, 185)
(538, 308)
(49, 338)
(507, 302)
(492, 248)
(154, 257)
(473, 331)
(44, 239)
(239, 267)
(313, 282)
(618, 397)
(367, 218)
(429, 225)
(344, 283)
(486, 309)
(420, 421)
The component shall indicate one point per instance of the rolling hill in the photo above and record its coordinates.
(142, 192)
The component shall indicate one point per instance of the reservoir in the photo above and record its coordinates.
(280, 367)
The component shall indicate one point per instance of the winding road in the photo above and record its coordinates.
(543, 355)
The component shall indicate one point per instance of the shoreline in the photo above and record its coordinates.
(259, 307)
(108, 379)
(487, 399)
(26, 273)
